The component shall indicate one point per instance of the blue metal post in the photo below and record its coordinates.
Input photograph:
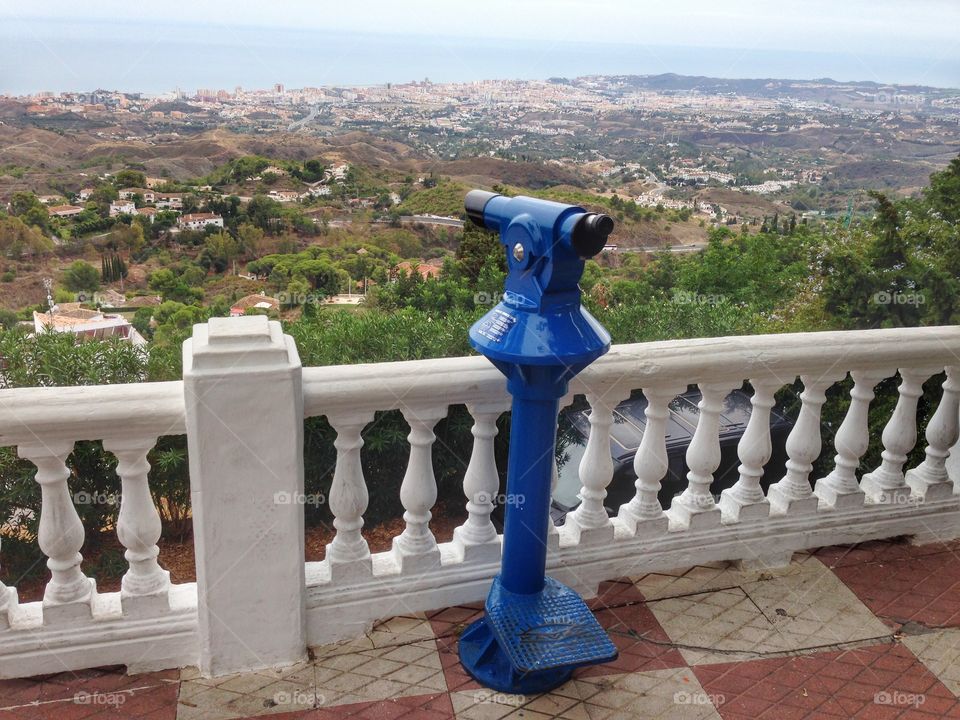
(535, 631)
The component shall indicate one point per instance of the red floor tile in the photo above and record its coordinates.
(880, 551)
(900, 583)
(447, 625)
(881, 681)
(641, 640)
(93, 694)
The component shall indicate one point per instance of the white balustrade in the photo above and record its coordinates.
(416, 548)
(246, 474)
(69, 594)
(695, 507)
(887, 484)
(589, 522)
(348, 556)
(840, 488)
(930, 480)
(745, 500)
(793, 494)
(477, 538)
(145, 585)
(644, 515)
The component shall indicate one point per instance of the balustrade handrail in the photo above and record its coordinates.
(776, 357)
(91, 412)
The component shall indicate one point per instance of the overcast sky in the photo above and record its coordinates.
(900, 27)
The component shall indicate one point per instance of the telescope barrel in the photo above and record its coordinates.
(584, 232)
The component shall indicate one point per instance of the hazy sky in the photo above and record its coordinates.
(903, 27)
(155, 47)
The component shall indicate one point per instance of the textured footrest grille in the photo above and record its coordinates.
(551, 629)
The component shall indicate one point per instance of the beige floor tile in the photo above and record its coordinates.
(803, 606)
(701, 578)
(940, 652)
(653, 695)
(718, 626)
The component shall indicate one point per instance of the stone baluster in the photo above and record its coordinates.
(145, 586)
(695, 507)
(930, 480)
(644, 515)
(886, 484)
(416, 548)
(477, 538)
(8, 600)
(589, 522)
(348, 556)
(793, 494)
(553, 534)
(840, 488)
(952, 465)
(745, 500)
(69, 594)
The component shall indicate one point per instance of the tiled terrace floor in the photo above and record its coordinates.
(870, 631)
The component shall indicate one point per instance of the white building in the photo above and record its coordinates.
(122, 207)
(92, 324)
(199, 221)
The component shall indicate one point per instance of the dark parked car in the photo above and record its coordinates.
(627, 431)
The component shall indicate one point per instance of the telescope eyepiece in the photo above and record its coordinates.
(590, 234)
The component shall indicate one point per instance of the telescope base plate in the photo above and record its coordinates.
(533, 643)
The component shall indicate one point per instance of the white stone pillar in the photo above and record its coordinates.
(145, 586)
(695, 507)
(930, 480)
(8, 600)
(793, 494)
(886, 484)
(69, 595)
(644, 515)
(745, 500)
(348, 556)
(415, 549)
(840, 488)
(589, 522)
(477, 539)
(244, 418)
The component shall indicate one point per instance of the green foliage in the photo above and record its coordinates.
(17, 238)
(444, 198)
(130, 178)
(81, 276)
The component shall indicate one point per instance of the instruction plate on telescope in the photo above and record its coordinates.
(495, 325)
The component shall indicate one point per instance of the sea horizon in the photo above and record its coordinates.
(75, 57)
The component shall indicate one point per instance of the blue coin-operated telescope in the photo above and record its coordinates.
(536, 631)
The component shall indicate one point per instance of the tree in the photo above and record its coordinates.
(22, 202)
(130, 178)
(81, 276)
(16, 237)
(250, 239)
